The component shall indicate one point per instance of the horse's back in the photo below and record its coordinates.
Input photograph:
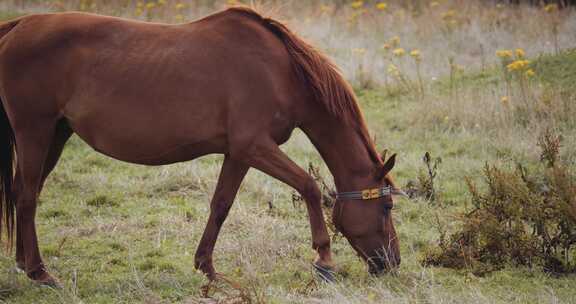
(150, 93)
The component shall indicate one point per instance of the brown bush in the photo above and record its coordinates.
(519, 217)
(425, 186)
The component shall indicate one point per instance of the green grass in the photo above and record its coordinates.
(7, 15)
(552, 70)
(122, 233)
(557, 70)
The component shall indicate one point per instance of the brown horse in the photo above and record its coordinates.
(233, 83)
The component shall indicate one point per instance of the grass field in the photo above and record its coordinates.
(121, 233)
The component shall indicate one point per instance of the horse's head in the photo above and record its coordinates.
(365, 219)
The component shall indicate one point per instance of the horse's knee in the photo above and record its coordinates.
(310, 192)
(323, 243)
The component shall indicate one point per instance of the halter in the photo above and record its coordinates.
(367, 194)
(364, 195)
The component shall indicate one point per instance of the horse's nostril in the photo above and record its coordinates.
(376, 266)
(375, 271)
(380, 265)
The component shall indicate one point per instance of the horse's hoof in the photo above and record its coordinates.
(50, 282)
(44, 279)
(325, 274)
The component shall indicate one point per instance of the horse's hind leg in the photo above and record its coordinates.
(34, 147)
(61, 135)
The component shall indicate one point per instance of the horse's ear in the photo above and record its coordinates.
(383, 154)
(388, 166)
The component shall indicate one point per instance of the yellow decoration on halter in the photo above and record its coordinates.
(370, 194)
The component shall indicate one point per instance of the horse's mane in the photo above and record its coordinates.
(321, 75)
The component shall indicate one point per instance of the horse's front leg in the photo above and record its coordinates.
(231, 176)
(267, 157)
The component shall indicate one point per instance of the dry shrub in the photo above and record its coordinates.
(425, 185)
(226, 291)
(519, 217)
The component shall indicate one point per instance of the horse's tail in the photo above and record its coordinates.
(7, 160)
(320, 75)
(7, 153)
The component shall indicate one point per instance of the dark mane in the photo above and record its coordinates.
(321, 75)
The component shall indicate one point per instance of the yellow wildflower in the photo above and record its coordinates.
(520, 53)
(357, 4)
(150, 5)
(399, 52)
(434, 4)
(530, 73)
(382, 6)
(449, 14)
(504, 53)
(550, 8)
(179, 18)
(161, 2)
(518, 65)
(415, 54)
(505, 100)
(179, 6)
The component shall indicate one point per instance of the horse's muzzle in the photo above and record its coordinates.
(381, 265)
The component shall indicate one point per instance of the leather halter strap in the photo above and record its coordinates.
(366, 194)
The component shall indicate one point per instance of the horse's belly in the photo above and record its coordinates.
(153, 156)
(150, 140)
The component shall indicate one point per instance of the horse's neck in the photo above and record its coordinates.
(344, 152)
